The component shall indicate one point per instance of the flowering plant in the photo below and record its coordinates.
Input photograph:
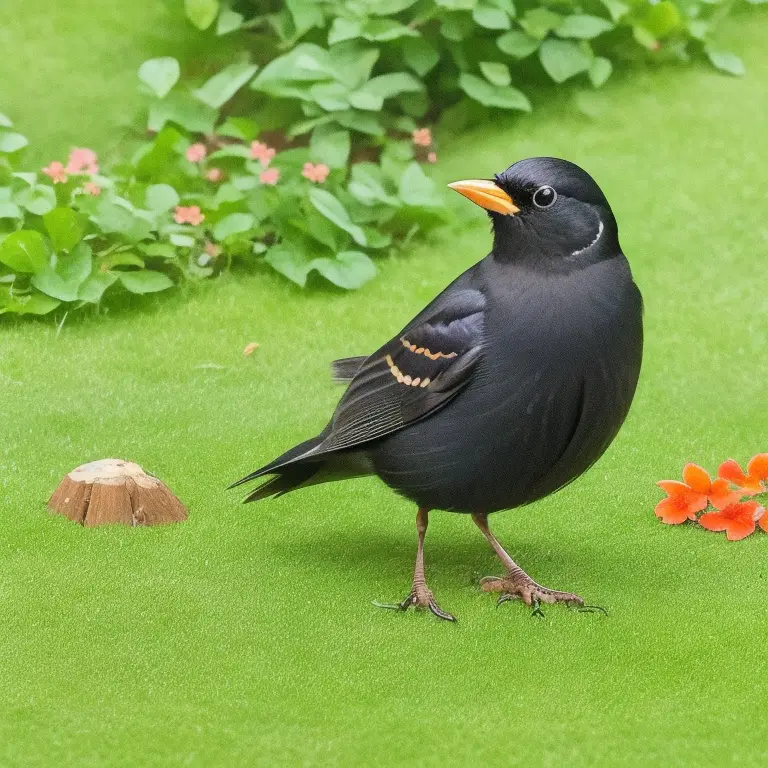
(724, 504)
(201, 192)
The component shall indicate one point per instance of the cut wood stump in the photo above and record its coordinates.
(115, 491)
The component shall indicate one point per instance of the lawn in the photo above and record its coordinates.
(246, 635)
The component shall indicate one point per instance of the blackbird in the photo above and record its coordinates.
(506, 387)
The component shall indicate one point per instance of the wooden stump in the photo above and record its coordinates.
(115, 491)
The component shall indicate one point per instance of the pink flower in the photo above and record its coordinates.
(82, 160)
(189, 214)
(315, 173)
(432, 157)
(269, 176)
(211, 249)
(57, 172)
(422, 137)
(196, 153)
(262, 153)
(91, 189)
(215, 175)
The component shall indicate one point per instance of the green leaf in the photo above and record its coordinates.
(63, 282)
(304, 63)
(726, 62)
(145, 281)
(332, 97)
(111, 217)
(457, 5)
(334, 211)
(367, 185)
(539, 22)
(562, 59)
(372, 95)
(306, 15)
(384, 30)
(416, 188)
(25, 251)
(9, 211)
(182, 241)
(350, 269)
(495, 72)
(344, 29)
(160, 75)
(92, 289)
(616, 8)
(201, 12)
(420, 55)
(330, 145)
(662, 19)
(65, 228)
(364, 122)
(122, 259)
(225, 84)
(491, 17)
(388, 7)
(12, 142)
(37, 199)
(228, 21)
(351, 63)
(161, 198)
(288, 262)
(33, 304)
(238, 128)
(582, 26)
(456, 26)
(184, 110)
(504, 97)
(234, 224)
(645, 38)
(5, 121)
(517, 44)
(599, 71)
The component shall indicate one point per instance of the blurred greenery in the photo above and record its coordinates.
(337, 94)
(246, 635)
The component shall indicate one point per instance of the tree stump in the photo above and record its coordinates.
(115, 491)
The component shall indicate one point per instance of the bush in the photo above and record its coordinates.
(327, 169)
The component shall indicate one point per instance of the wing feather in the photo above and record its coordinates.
(412, 375)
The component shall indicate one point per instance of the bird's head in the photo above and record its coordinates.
(546, 211)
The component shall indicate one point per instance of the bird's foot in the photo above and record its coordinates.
(420, 597)
(520, 586)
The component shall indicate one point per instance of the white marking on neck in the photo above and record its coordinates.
(597, 237)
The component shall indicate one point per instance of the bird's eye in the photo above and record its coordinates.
(544, 197)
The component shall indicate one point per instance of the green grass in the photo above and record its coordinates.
(246, 636)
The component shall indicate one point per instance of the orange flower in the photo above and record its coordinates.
(753, 481)
(693, 495)
(737, 520)
(196, 152)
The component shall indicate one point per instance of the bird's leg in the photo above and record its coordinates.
(420, 595)
(517, 584)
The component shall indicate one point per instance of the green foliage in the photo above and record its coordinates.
(322, 175)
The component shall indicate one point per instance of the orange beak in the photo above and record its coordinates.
(486, 194)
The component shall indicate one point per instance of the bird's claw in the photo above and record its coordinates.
(419, 598)
(515, 587)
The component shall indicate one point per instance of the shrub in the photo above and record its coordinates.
(327, 169)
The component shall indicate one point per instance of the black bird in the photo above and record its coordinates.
(506, 387)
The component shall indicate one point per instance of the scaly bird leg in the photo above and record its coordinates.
(517, 584)
(420, 596)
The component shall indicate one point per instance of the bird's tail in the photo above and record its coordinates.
(289, 472)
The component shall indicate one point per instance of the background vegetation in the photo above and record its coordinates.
(306, 151)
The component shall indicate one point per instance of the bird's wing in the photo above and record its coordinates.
(412, 375)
